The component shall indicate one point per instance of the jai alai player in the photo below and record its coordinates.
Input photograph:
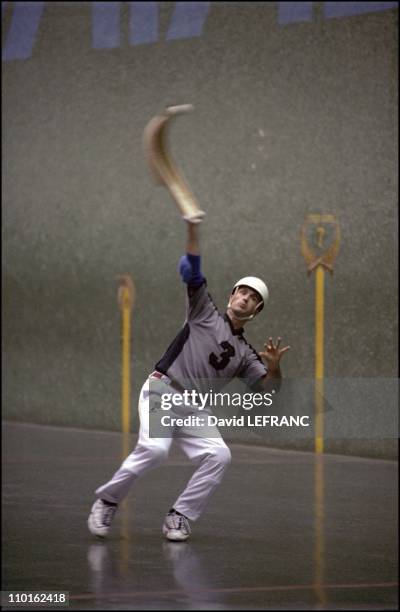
(209, 346)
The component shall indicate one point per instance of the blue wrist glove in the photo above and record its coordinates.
(189, 268)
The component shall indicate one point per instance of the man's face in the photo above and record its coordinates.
(244, 301)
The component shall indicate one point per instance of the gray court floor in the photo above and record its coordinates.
(283, 531)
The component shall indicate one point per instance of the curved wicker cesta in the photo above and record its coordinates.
(163, 168)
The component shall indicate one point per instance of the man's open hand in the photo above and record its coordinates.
(272, 354)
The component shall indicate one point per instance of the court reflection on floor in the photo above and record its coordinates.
(190, 581)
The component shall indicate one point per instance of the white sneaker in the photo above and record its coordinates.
(100, 518)
(176, 527)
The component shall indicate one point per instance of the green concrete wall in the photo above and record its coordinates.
(290, 119)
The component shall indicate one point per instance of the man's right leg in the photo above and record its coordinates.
(149, 453)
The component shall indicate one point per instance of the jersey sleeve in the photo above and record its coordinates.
(253, 368)
(199, 306)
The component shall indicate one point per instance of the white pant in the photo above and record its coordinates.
(210, 454)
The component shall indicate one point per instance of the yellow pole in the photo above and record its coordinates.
(126, 378)
(319, 551)
(126, 298)
(319, 261)
(319, 359)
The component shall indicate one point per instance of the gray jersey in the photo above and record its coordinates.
(209, 348)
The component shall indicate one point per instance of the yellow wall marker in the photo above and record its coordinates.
(320, 258)
(126, 298)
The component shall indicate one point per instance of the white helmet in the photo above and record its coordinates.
(257, 284)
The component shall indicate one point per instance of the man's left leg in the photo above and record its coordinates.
(213, 457)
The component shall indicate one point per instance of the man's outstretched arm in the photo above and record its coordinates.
(190, 264)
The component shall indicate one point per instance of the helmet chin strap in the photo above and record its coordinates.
(240, 318)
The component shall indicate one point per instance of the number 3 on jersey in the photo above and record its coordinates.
(220, 362)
